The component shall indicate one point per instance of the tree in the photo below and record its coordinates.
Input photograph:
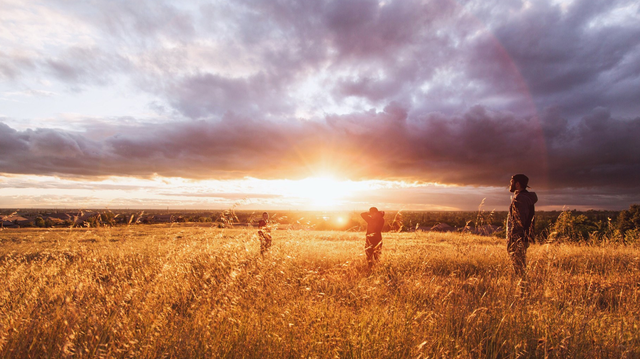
(39, 222)
(629, 219)
(571, 227)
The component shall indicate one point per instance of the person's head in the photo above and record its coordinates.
(518, 182)
(265, 216)
(373, 211)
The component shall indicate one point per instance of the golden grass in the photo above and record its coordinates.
(145, 292)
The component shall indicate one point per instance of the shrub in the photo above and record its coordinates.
(573, 228)
(39, 222)
(631, 236)
(629, 219)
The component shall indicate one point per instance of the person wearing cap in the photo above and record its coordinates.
(264, 233)
(520, 222)
(373, 243)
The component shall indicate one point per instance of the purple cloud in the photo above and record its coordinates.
(480, 147)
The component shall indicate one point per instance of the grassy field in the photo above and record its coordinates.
(145, 292)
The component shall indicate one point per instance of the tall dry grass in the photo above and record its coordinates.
(203, 292)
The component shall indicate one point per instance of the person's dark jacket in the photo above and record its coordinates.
(521, 216)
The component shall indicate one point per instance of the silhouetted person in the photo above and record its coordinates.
(264, 233)
(373, 244)
(520, 222)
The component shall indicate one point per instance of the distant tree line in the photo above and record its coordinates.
(569, 225)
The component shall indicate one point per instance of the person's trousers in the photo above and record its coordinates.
(517, 249)
(373, 247)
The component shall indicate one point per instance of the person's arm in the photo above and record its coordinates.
(524, 209)
(366, 216)
(520, 216)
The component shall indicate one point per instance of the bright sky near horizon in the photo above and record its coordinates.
(414, 104)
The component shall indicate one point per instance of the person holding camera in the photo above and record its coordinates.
(373, 244)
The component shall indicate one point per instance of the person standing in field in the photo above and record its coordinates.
(373, 244)
(520, 222)
(264, 233)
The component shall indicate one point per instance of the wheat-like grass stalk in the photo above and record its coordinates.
(160, 291)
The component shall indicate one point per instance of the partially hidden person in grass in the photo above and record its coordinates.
(520, 222)
(264, 233)
(373, 244)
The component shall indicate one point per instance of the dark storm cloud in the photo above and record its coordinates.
(479, 147)
(46, 151)
(598, 151)
(589, 198)
(573, 59)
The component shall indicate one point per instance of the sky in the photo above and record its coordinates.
(414, 105)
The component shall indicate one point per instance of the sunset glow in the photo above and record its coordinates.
(322, 105)
(321, 192)
(314, 193)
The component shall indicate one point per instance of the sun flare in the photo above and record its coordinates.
(320, 192)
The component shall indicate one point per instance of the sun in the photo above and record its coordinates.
(320, 192)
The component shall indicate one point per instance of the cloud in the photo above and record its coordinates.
(466, 93)
(12, 66)
(258, 58)
(598, 151)
(570, 59)
(79, 65)
(231, 196)
(480, 147)
(207, 95)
